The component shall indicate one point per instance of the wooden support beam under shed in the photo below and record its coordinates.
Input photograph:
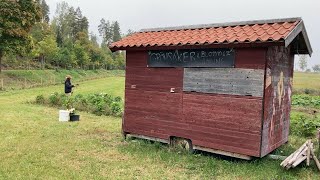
(225, 153)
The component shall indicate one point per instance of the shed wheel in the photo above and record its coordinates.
(184, 144)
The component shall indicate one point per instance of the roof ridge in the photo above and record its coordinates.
(239, 23)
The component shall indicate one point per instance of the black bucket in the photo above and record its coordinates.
(74, 117)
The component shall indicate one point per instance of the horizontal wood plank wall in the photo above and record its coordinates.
(229, 123)
(154, 79)
(277, 103)
(152, 113)
(225, 122)
(234, 81)
(150, 108)
(251, 58)
(136, 59)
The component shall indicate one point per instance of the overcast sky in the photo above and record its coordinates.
(139, 14)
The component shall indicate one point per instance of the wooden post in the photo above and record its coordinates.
(315, 160)
(25, 82)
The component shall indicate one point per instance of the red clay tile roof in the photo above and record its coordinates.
(228, 33)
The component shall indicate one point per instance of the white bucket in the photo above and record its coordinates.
(64, 115)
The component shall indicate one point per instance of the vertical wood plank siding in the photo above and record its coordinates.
(277, 103)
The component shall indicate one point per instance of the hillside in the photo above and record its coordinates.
(20, 79)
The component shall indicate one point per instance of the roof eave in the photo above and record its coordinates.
(214, 45)
(240, 23)
(300, 28)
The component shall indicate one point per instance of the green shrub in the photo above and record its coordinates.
(116, 109)
(54, 99)
(80, 106)
(40, 99)
(314, 92)
(68, 102)
(308, 91)
(108, 98)
(302, 125)
(117, 99)
(306, 101)
(107, 111)
(99, 104)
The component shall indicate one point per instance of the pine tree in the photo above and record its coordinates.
(45, 10)
(78, 18)
(84, 24)
(129, 32)
(116, 31)
(106, 31)
(63, 23)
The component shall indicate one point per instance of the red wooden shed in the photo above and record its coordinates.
(224, 88)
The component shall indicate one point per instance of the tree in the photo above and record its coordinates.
(40, 30)
(66, 57)
(116, 31)
(83, 59)
(82, 23)
(16, 20)
(47, 48)
(63, 23)
(71, 23)
(129, 32)
(316, 68)
(119, 60)
(105, 31)
(303, 62)
(68, 22)
(44, 11)
(94, 39)
(77, 20)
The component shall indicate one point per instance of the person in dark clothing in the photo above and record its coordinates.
(68, 86)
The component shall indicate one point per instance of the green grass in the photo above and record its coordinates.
(35, 145)
(20, 79)
(304, 80)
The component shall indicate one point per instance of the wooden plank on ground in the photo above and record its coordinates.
(315, 159)
(308, 152)
(297, 153)
(299, 160)
(285, 162)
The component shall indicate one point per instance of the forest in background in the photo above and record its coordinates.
(29, 39)
(65, 42)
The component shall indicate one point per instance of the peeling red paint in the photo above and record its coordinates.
(277, 98)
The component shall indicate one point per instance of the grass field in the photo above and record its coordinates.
(303, 80)
(35, 145)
